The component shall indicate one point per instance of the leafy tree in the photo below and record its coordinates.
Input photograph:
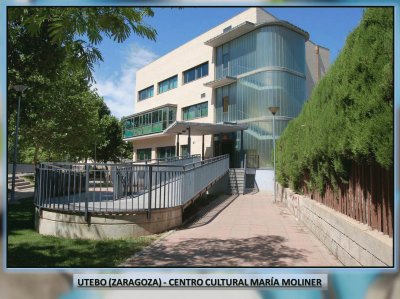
(349, 116)
(53, 51)
(76, 31)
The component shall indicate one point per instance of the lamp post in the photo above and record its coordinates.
(21, 89)
(273, 110)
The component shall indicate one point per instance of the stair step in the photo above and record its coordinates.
(23, 183)
(24, 187)
(16, 180)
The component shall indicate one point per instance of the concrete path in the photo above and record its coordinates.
(21, 194)
(239, 231)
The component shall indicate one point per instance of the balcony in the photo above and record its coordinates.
(221, 82)
(231, 34)
(149, 122)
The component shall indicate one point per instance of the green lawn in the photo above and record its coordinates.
(28, 249)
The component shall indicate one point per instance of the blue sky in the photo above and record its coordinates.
(115, 77)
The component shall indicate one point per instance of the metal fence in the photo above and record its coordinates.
(109, 188)
(368, 196)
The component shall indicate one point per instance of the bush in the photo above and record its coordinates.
(349, 116)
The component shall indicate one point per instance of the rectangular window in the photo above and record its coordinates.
(195, 111)
(184, 150)
(225, 60)
(195, 73)
(225, 104)
(168, 84)
(146, 93)
(143, 154)
(166, 152)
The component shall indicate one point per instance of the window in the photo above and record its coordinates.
(166, 152)
(184, 150)
(195, 111)
(225, 60)
(225, 104)
(195, 73)
(146, 93)
(143, 154)
(168, 84)
(150, 122)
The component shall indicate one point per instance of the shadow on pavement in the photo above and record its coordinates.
(265, 251)
(209, 212)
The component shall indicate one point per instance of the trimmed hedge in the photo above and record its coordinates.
(349, 116)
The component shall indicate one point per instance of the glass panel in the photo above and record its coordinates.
(168, 84)
(196, 72)
(195, 111)
(175, 82)
(155, 117)
(204, 110)
(165, 118)
(226, 104)
(204, 69)
(143, 154)
(165, 152)
(184, 150)
(190, 75)
(146, 93)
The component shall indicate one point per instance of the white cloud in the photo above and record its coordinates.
(119, 89)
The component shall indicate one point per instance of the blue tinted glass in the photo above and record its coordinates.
(168, 84)
(175, 82)
(195, 111)
(146, 93)
(204, 69)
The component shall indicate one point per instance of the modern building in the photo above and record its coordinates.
(229, 74)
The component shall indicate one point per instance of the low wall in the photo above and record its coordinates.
(353, 243)
(265, 179)
(113, 226)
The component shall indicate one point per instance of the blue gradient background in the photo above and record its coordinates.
(344, 283)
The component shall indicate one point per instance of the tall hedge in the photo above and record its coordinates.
(349, 116)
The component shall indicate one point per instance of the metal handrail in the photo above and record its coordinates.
(144, 162)
(124, 187)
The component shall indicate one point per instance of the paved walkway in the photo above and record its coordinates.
(244, 231)
(21, 194)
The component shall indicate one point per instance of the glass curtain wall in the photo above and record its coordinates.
(151, 122)
(275, 58)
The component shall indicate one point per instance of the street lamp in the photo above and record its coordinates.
(21, 89)
(273, 110)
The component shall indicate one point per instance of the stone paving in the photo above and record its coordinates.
(239, 231)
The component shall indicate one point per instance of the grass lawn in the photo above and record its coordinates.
(28, 249)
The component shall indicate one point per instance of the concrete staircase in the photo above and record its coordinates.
(237, 180)
(20, 183)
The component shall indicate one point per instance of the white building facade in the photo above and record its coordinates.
(229, 74)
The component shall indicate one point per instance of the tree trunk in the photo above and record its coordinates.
(35, 155)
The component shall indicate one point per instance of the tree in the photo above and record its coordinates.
(53, 51)
(349, 116)
(76, 31)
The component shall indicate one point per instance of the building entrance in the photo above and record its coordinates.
(223, 146)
